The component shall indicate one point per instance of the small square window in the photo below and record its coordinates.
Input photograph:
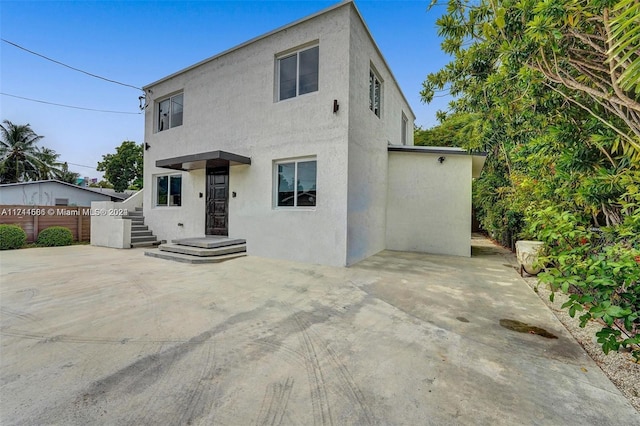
(170, 112)
(295, 183)
(169, 190)
(298, 73)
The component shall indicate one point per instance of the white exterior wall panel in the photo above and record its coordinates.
(429, 203)
(229, 105)
(369, 136)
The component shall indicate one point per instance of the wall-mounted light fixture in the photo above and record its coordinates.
(441, 159)
(146, 146)
(336, 106)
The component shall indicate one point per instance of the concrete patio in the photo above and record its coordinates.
(92, 335)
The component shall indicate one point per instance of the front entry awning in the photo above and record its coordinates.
(203, 160)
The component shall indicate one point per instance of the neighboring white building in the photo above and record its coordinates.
(54, 193)
(313, 103)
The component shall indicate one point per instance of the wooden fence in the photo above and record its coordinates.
(34, 219)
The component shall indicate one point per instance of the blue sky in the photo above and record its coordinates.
(139, 42)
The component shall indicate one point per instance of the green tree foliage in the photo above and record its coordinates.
(102, 184)
(624, 39)
(63, 174)
(19, 153)
(124, 169)
(21, 159)
(548, 80)
(457, 130)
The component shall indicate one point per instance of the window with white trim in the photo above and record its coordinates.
(405, 129)
(297, 73)
(295, 183)
(170, 112)
(169, 190)
(375, 92)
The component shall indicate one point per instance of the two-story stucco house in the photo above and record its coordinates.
(300, 141)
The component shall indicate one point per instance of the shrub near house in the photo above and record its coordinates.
(11, 237)
(55, 236)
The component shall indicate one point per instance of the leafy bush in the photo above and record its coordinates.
(55, 236)
(12, 237)
(599, 269)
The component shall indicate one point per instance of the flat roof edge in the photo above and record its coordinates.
(248, 42)
(434, 150)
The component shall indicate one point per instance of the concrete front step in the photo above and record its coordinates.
(139, 228)
(145, 244)
(143, 238)
(185, 258)
(203, 252)
(209, 242)
(140, 233)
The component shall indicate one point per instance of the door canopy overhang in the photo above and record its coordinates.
(203, 160)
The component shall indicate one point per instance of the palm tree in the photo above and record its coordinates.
(49, 168)
(19, 159)
(65, 175)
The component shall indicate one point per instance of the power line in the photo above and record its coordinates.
(80, 165)
(69, 66)
(70, 106)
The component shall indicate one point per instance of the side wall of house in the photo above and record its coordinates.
(369, 136)
(46, 193)
(230, 105)
(429, 203)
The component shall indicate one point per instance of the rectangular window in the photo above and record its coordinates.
(375, 89)
(298, 73)
(170, 112)
(169, 190)
(296, 183)
(405, 129)
(62, 201)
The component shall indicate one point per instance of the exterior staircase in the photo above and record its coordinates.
(141, 236)
(201, 250)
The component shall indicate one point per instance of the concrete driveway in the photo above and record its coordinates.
(92, 335)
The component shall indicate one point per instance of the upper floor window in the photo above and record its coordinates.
(375, 90)
(404, 129)
(297, 73)
(170, 112)
(296, 183)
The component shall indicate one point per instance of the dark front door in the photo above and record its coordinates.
(217, 201)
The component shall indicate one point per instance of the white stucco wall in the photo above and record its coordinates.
(110, 230)
(429, 203)
(369, 136)
(229, 105)
(45, 194)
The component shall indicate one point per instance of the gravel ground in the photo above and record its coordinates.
(620, 367)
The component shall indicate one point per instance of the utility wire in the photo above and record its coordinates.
(80, 165)
(68, 66)
(69, 106)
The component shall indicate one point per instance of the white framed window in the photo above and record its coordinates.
(170, 112)
(375, 92)
(62, 201)
(404, 130)
(295, 183)
(297, 73)
(168, 190)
